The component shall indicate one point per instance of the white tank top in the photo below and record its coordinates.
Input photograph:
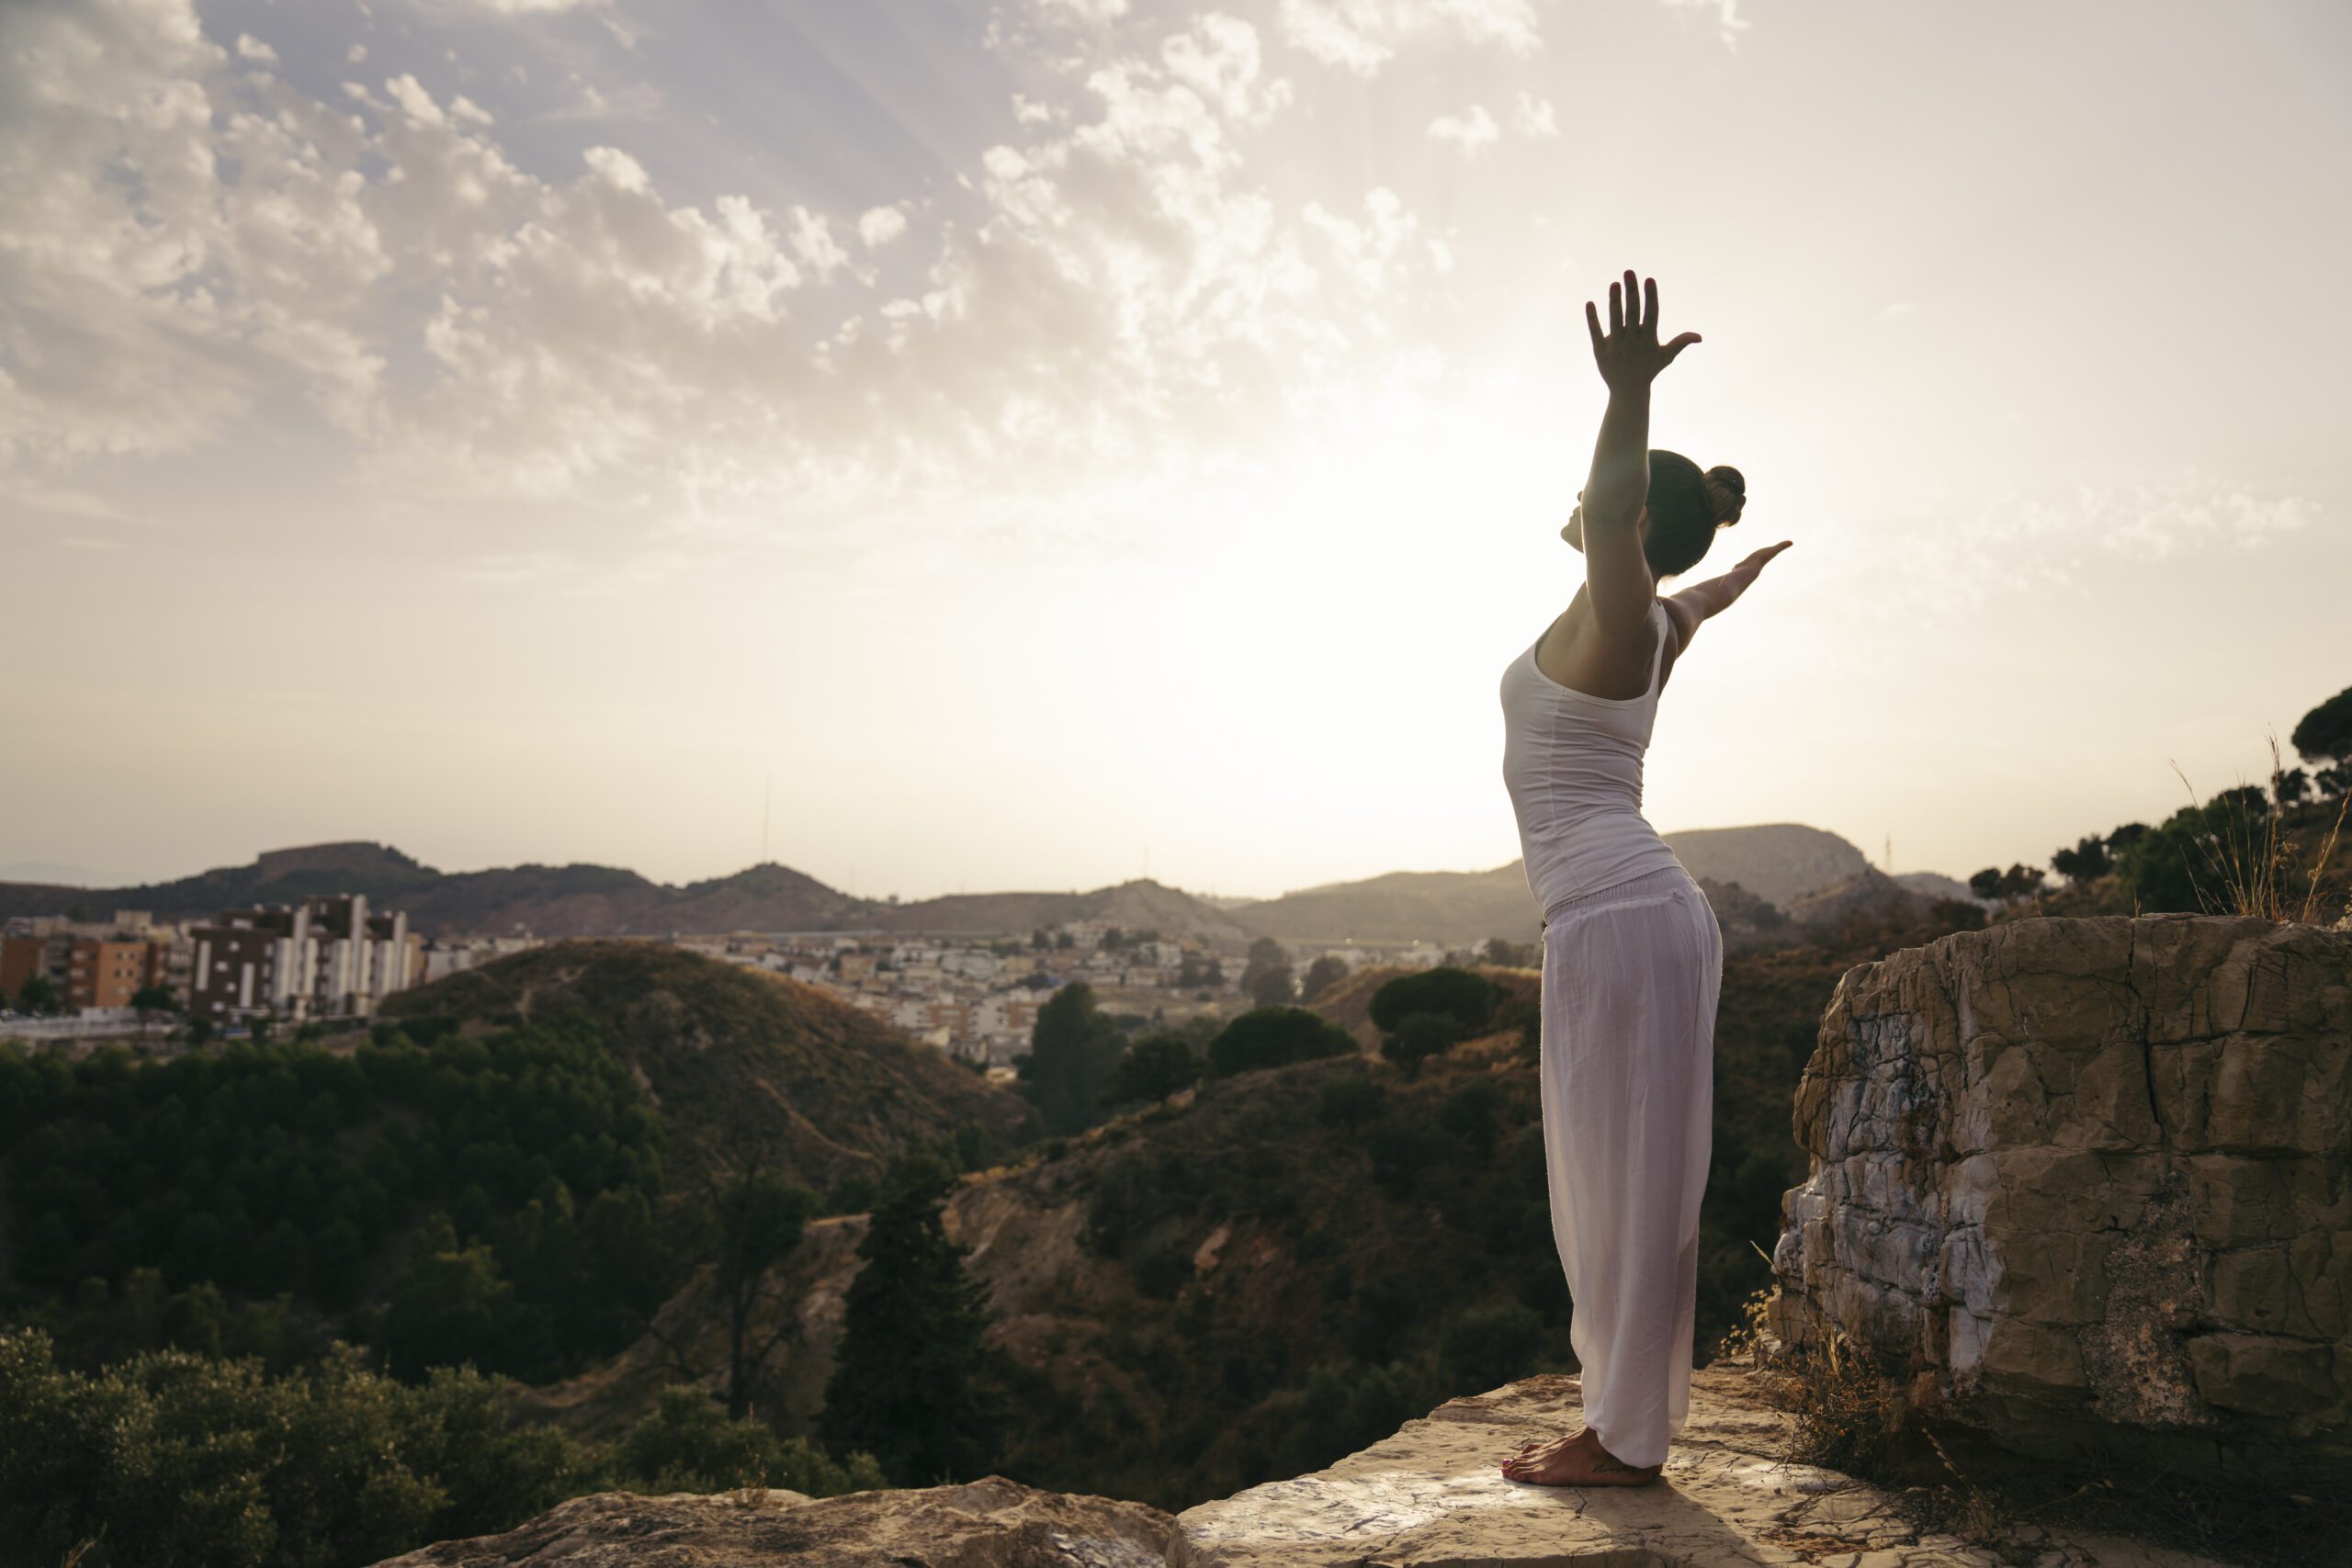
(1573, 764)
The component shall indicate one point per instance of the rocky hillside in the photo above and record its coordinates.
(1778, 862)
(1180, 1319)
(729, 1054)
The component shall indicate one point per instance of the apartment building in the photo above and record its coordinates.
(88, 971)
(325, 957)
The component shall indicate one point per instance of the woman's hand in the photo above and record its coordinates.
(1717, 595)
(1748, 570)
(1629, 356)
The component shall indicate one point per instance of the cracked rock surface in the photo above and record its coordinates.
(990, 1523)
(2089, 1181)
(1432, 1496)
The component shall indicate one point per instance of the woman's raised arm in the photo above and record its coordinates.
(1702, 601)
(1629, 357)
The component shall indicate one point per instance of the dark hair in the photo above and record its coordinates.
(1686, 508)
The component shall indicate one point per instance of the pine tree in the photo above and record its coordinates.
(909, 1384)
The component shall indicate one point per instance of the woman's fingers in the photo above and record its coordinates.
(1679, 344)
(1650, 303)
(1616, 310)
(1592, 321)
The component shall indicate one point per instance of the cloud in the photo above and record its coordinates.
(1533, 118)
(252, 47)
(2024, 543)
(1730, 23)
(1095, 11)
(165, 254)
(406, 92)
(1362, 36)
(1469, 131)
(1122, 301)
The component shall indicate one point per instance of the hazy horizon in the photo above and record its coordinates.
(1028, 442)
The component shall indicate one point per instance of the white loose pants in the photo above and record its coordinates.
(1631, 975)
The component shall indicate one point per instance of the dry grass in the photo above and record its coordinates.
(1850, 1419)
(2254, 864)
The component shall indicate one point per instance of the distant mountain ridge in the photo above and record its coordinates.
(1777, 862)
(580, 900)
(1781, 863)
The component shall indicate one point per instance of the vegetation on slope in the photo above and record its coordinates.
(728, 1054)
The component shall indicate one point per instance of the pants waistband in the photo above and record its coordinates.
(1665, 879)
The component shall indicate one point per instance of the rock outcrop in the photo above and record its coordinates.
(991, 1523)
(1431, 1494)
(2088, 1183)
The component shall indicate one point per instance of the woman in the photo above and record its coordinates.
(1633, 958)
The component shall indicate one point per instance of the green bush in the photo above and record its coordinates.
(262, 1170)
(1400, 1150)
(1489, 1346)
(199, 1463)
(1274, 1037)
(1420, 1035)
(1350, 1100)
(687, 1444)
(1470, 1114)
(1467, 998)
(2184, 864)
(1387, 1308)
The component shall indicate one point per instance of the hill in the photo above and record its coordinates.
(1141, 905)
(1456, 907)
(1179, 1317)
(581, 900)
(729, 1054)
(1777, 863)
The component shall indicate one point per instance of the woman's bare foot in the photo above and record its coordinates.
(1575, 1461)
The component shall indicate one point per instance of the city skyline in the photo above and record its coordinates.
(1028, 436)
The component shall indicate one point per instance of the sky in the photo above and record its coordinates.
(944, 444)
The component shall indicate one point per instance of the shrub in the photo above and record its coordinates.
(1273, 1037)
(1467, 998)
(1350, 1100)
(1152, 1068)
(1387, 1308)
(1420, 1035)
(173, 1458)
(1469, 1114)
(1489, 1346)
(687, 1444)
(1400, 1151)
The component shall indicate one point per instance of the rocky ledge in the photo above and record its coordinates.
(1429, 1496)
(2088, 1184)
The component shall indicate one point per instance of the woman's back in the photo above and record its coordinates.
(1573, 765)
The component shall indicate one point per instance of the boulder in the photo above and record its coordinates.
(991, 1523)
(2088, 1184)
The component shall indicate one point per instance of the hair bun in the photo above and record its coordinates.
(1726, 494)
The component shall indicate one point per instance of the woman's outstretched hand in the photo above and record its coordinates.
(1748, 570)
(1629, 356)
(1720, 593)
